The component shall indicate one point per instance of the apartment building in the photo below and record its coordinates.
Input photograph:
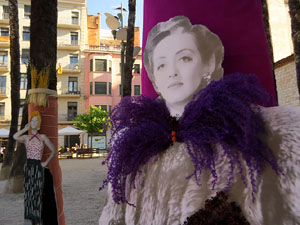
(283, 49)
(71, 40)
(102, 85)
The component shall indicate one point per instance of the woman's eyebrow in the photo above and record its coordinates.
(185, 49)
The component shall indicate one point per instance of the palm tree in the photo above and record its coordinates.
(265, 12)
(129, 49)
(15, 86)
(16, 177)
(294, 6)
(43, 50)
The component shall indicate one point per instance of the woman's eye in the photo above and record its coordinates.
(185, 59)
(161, 66)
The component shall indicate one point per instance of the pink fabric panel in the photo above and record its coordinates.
(239, 25)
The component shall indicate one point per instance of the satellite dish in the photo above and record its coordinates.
(112, 22)
(136, 50)
(122, 34)
(108, 15)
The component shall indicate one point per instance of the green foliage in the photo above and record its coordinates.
(93, 120)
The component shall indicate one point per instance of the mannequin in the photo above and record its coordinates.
(34, 168)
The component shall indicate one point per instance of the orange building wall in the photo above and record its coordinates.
(93, 23)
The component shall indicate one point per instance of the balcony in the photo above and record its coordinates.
(5, 118)
(68, 23)
(4, 18)
(3, 93)
(106, 48)
(65, 118)
(68, 46)
(71, 68)
(4, 41)
(66, 93)
(4, 67)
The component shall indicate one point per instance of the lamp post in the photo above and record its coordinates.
(120, 33)
(113, 23)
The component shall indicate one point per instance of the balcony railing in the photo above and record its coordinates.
(2, 91)
(68, 46)
(66, 117)
(4, 38)
(68, 22)
(3, 64)
(69, 92)
(107, 48)
(5, 16)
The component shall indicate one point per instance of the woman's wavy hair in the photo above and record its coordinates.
(209, 45)
(33, 114)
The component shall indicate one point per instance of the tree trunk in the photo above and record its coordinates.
(43, 52)
(15, 86)
(129, 49)
(265, 12)
(43, 37)
(294, 6)
(16, 177)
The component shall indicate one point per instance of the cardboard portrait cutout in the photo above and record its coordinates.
(182, 59)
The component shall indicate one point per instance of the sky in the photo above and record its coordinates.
(103, 6)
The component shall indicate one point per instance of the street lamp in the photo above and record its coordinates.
(120, 33)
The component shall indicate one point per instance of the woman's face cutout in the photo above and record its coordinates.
(34, 123)
(178, 68)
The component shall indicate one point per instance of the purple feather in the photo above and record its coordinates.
(219, 114)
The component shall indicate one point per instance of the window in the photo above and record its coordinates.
(4, 32)
(74, 38)
(73, 85)
(109, 108)
(100, 88)
(73, 61)
(136, 68)
(103, 107)
(120, 67)
(27, 11)
(137, 90)
(23, 81)
(26, 33)
(91, 65)
(72, 110)
(109, 88)
(120, 90)
(3, 58)
(2, 84)
(100, 64)
(75, 18)
(25, 56)
(110, 66)
(91, 88)
(22, 102)
(5, 14)
(2, 110)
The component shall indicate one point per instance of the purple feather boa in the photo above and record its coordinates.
(219, 114)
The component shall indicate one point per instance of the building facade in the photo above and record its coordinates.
(71, 40)
(102, 85)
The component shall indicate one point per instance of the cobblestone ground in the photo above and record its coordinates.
(82, 200)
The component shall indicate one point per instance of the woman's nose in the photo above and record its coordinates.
(173, 75)
(173, 72)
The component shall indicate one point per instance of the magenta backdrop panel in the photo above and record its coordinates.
(239, 25)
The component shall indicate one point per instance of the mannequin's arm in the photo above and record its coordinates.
(18, 135)
(49, 144)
